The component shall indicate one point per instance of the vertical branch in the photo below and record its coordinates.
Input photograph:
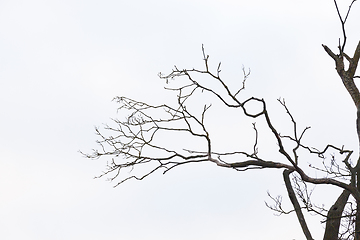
(343, 23)
(342, 26)
(357, 214)
(333, 219)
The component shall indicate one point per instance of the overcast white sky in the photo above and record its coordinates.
(62, 62)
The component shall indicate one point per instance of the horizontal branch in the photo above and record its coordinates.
(262, 164)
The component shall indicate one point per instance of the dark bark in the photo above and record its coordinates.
(354, 61)
(357, 217)
(334, 217)
(347, 77)
(358, 124)
(296, 205)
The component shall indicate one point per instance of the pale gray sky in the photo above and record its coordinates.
(63, 61)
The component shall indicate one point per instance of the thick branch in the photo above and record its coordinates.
(296, 205)
(347, 77)
(334, 217)
(355, 60)
(353, 190)
(261, 164)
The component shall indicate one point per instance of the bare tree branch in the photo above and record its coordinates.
(296, 205)
(153, 138)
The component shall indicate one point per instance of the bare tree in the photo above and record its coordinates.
(137, 143)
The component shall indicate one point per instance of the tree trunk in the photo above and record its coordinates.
(357, 216)
(334, 217)
(347, 77)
